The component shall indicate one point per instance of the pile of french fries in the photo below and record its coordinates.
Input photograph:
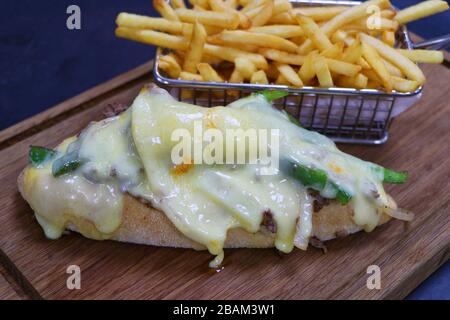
(272, 42)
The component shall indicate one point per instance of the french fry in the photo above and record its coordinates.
(375, 61)
(170, 65)
(372, 76)
(342, 36)
(320, 13)
(387, 13)
(363, 63)
(404, 85)
(314, 33)
(282, 57)
(358, 82)
(212, 30)
(178, 3)
(280, 6)
(245, 67)
(219, 41)
(334, 52)
(365, 24)
(195, 51)
(420, 10)
(423, 56)
(220, 6)
(352, 14)
(232, 3)
(307, 71)
(199, 4)
(282, 31)
(250, 5)
(259, 39)
(388, 37)
(165, 10)
(322, 72)
(212, 60)
(259, 77)
(261, 15)
(343, 68)
(236, 77)
(135, 21)
(184, 75)
(393, 70)
(282, 18)
(281, 80)
(289, 74)
(224, 20)
(353, 53)
(230, 54)
(409, 68)
(153, 37)
(208, 73)
(345, 17)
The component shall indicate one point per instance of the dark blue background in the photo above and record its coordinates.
(43, 63)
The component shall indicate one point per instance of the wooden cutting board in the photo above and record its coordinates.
(407, 254)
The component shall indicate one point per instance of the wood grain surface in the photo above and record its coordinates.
(406, 254)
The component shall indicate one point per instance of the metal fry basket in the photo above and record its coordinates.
(344, 114)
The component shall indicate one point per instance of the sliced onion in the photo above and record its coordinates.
(400, 214)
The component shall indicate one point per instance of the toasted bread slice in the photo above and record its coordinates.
(144, 224)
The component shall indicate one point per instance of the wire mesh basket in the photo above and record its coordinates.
(344, 114)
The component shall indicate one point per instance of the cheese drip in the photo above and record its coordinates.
(132, 153)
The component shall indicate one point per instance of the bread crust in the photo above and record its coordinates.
(143, 224)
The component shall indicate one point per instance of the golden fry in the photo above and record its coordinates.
(184, 75)
(230, 54)
(208, 73)
(259, 39)
(322, 72)
(245, 67)
(320, 13)
(314, 33)
(195, 51)
(375, 61)
(282, 57)
(259, 77)
(420, 10)
(423, 56)
(409, 68)
(170, 65)
(135, 21)
(178, 3)
(282, 31)
(261, 15)
(224, 20)
(388, 37)
(220, 6)
(307, 71)
(343, 68)
(165, 10)
(404, 85)
(153, 37)
(353, 53)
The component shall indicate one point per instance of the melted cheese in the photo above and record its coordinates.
(132, 153)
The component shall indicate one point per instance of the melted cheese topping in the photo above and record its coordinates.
(132, 153)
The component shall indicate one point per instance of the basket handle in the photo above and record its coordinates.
(437, 43)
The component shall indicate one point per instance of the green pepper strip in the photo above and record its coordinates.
(317, 179)
(271, 95)
(391, 176)
(39, 155)
(67, 163)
